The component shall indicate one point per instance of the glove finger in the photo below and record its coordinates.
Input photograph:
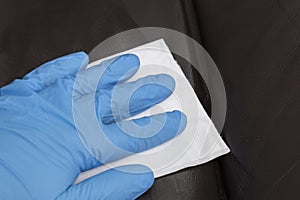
(141, 134)
(53, 70)
(128, 99)
(109, 72)
(125, 182)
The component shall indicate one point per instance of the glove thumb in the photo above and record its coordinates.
(125, 182)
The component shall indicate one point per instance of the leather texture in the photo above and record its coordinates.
(254, 43)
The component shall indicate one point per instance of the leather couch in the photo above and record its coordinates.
(254, 43)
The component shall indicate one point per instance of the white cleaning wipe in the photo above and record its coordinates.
(200, 142)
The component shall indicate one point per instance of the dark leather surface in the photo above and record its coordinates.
(256, 47)
(254, 43)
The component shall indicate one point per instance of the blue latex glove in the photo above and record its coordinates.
(42, 150)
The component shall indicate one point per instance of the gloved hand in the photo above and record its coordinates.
(44, 145)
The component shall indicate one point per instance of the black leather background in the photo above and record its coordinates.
(254, 43)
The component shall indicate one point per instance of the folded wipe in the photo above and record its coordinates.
(200, 142)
